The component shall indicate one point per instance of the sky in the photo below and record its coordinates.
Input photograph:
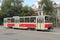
(31, 2)
(58, 1)
(0, 1)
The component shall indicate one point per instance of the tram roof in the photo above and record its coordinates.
(25, 16)
(28, 16)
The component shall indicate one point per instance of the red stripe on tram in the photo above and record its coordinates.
(10, 25)
(28, 25)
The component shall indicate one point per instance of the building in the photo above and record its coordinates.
(37, 7)
(57, 10)
(56, 6)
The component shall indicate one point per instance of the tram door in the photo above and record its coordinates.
(40, 24)
(16, 21)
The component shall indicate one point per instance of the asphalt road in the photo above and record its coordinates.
(15, 34)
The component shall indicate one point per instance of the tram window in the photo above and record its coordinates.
(47, 19)
(5, 21)
(33, 19)
(9, 20)
(17, 20)
(26, 19)
(12, 20)
(40, 20)
(21, 19)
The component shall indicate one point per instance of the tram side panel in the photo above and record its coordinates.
(5, 22)
(27, 25)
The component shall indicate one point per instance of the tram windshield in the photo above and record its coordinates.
(48, 19)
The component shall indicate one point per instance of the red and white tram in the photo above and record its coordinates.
(27, 22)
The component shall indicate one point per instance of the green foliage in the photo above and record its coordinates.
(12, 7)
(27, 11)
(15, 8)
(48, 10)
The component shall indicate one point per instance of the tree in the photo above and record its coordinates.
(48, 9)
(27, 11)
(15, 8)
(11, 7)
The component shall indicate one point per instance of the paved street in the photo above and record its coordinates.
(14, 34)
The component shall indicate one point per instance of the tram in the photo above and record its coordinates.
(29, 22)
